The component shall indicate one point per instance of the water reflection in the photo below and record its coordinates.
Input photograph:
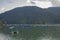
(4, 37)
(31, 33)
(7, 37)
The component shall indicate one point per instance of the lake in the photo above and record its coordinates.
(30, 32)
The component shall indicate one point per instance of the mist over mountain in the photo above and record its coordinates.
(31, 15)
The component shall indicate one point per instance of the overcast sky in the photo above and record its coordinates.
(6, 4)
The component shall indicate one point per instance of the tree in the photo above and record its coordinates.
(1, 25)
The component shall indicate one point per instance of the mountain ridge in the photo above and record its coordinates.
(29, 15)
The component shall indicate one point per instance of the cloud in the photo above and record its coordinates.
(43, 4)
(6, 2)
(56, 3)
(9, 4)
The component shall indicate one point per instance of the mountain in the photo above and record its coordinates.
(55, 10)
(29, 15)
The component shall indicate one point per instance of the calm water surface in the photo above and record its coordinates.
(28, 32)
